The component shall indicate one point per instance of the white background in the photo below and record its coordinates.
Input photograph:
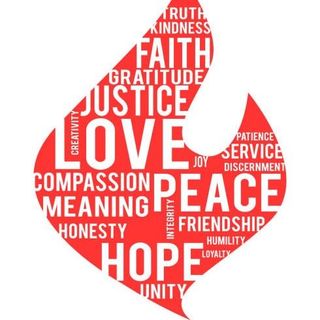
(53, 52)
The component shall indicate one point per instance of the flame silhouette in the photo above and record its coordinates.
(129, 107)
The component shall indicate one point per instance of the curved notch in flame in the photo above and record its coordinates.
(128, 131)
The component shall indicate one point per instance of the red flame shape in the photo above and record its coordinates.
(117, 182)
